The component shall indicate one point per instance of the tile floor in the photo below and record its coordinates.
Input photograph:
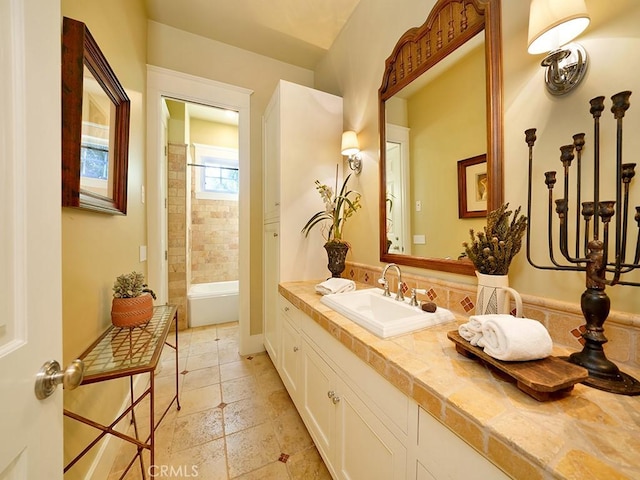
(237, 420)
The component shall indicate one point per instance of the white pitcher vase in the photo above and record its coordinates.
(493, 295)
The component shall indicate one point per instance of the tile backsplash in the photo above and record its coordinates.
(563, 320)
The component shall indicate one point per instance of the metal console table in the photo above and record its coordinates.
(127, 352)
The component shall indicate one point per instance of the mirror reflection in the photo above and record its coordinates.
(428, 131)
(96, 171)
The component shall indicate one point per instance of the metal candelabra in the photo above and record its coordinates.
(592, 250)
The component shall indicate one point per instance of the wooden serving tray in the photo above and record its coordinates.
(545, 379)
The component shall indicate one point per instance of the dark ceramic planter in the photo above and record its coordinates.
(336, 253)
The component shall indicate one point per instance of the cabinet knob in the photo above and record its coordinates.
(335, 399)
(295, 349)
(286, 309)
(275, 234)
(331, 394)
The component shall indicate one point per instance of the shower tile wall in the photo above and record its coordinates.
(214, 235)
(177, 220)
(214, 239)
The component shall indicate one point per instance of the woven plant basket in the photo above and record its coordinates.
(131, 312)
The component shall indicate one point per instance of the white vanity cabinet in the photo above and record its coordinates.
(442, 454)
(352, 438)
(347, 425)
(290, 351)
(302, 131)
(271, 299)
(363, 426)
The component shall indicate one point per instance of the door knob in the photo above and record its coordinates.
(51, 375)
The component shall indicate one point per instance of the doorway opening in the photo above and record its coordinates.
(167, 84)
(203, 212)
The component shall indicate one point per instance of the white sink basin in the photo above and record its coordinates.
(383, 316)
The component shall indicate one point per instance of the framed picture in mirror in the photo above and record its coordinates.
(472, 187)
(95, 126)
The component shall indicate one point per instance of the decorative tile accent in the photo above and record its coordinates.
(366, 277)
(405, 287)
(249, 357)
(221, 405)
(577, 332)
(184, 372)
(352, 274)
(431, 293)
(283, 458)
(467, 304)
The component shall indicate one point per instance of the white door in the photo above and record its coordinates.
(30, 243)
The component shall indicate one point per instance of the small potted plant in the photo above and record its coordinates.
(339, 206)
(132, 304)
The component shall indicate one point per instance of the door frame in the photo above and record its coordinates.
(165, 83)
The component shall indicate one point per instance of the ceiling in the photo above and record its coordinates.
(298, 32)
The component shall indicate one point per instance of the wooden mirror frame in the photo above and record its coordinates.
(417, 51)
(79, 49)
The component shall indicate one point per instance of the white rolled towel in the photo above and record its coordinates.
(472, 330)
(506, 337)
(335, 285)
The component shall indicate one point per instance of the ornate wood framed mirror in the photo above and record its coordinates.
(427, 117)
(95, 126)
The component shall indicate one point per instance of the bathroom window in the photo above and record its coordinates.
(217, 172)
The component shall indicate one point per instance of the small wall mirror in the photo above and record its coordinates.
(95, 126)
(440, 108)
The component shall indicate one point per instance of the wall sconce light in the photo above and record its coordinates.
(351, 149)
(552, 25)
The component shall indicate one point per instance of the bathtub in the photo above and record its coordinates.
(212, 303)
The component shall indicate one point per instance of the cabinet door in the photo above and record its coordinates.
(271, 162)
(290, 357)
(440, 452)
(318, 409)
(271, 330)
(423, 473)
(365, 448)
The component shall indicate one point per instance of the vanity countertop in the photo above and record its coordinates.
(587, 434)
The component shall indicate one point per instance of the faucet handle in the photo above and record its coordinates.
(414, 298)
(385, 285)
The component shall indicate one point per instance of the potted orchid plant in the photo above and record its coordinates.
(340, 205)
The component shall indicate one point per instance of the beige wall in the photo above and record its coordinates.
(177, 50)
(95, 247)
(353, 69)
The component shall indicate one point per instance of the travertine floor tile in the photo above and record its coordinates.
(251, 449)
(197, 428)
(308, 465)
(201, 378)
(237, 420)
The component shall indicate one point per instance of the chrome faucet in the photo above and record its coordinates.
(385, 282)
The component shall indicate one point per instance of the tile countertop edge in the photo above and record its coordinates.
(460, 407)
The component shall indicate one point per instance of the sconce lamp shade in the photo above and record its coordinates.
(554, 23)
(350, 145)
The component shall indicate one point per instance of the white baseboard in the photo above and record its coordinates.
(250, 344)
